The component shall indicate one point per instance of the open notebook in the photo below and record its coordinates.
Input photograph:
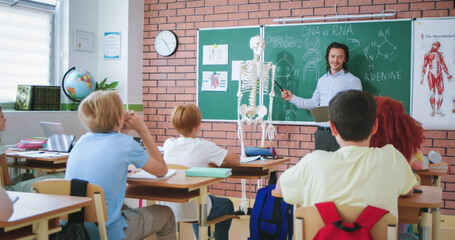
(145, 175)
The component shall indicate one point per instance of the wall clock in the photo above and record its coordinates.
(165, 43)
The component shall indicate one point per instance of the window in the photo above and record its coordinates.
(26, 45)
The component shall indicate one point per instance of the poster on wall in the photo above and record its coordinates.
(112, 45)
(433, 97)
(214, 81)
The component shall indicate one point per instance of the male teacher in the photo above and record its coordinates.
(334, 81)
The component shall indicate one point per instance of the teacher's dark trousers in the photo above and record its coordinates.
(325, 140)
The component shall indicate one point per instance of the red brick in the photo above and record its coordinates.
(195, 18)
(336, 2)
(448, 195)
(323, 11)
(248, 8)
(443, 143)
(451, 151)
(195, 3)
(218, 134)
(313, 4)
(167, 83)
(216, 3)
(372, 9)
(380, 2)
(444, 4)
(237, 15)
(413, 14)
(435, 13)
(216, 17)
(287, 128)
(422, 6)
(167, 13)
(288, 144)
(226, 9)
(348, 10)
(204, 10)
(269, 6)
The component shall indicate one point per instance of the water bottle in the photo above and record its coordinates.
(434, 157)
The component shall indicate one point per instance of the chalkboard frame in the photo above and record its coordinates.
(233, 87)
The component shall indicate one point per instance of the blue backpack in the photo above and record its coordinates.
(271, 218)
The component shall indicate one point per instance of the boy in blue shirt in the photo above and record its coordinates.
(102, 156)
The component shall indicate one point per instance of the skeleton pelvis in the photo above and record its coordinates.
(252, 112)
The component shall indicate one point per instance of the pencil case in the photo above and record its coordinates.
(263, 151)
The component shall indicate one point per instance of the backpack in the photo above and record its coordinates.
(271, 218)
(74, 229)
(336, 229)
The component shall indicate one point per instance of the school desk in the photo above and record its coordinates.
(179, 189)
(431, 197)
(258, 169)
(254, 170)
(432, 176)
(40, 212)
(43, 161)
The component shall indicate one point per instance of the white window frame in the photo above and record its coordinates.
(55, 61)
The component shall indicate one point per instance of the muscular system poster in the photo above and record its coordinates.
(433, 94)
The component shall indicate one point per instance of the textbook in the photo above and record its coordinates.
(208, 172)
(145, 175)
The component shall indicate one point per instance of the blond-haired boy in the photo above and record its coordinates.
(102, 156)
(190, 151)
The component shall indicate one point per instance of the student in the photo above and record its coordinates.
(397, 128)
(6, 206)
(102, 156)
(336, 57)
(190, 151)
(22, 182)
(356, 174)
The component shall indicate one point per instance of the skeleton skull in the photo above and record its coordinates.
(257, 44)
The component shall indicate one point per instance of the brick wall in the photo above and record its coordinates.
(170, 81)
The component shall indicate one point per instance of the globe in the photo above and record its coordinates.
(77, 84)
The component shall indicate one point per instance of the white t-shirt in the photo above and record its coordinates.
(357, 176)
(191, 152)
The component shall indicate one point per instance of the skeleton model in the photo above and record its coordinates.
(254, 80)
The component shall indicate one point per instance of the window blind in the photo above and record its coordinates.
(26, 34)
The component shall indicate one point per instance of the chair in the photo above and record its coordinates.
(2, 183)
(211, 223)
(308, 222)
(95, 212)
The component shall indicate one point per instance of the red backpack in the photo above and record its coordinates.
(336, 229)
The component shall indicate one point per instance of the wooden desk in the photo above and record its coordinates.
(254, 170)
(432, 176)
(37, 210)
(408, 207)
(177, 188)
(40, 162)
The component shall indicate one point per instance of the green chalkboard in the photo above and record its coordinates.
(220, 104)
(380, 55)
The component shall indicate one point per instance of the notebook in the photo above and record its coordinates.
(142, 174)
(50, 128)
(208, 172)
(59, 143)
(320, 114)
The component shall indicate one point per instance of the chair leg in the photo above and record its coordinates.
(177, 229)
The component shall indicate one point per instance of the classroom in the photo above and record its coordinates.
(152, 84)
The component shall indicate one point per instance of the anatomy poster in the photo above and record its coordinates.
(214, 81)
(433, 100)
(215, 54)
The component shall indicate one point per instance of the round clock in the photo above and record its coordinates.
(165, 43)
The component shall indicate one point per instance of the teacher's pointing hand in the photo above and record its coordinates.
(286, 95)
